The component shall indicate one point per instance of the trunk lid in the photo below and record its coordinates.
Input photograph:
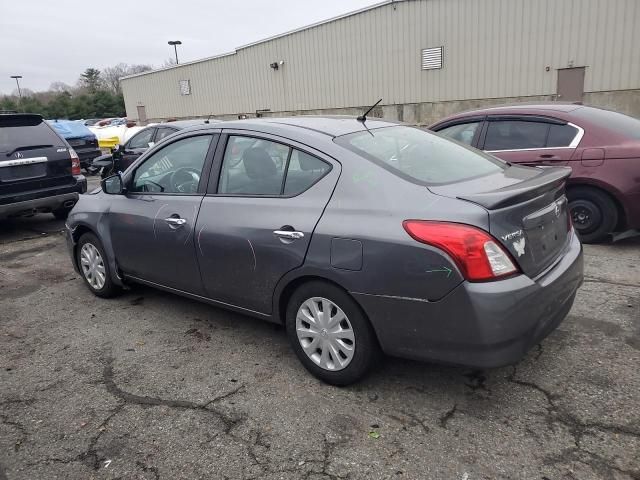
(527, 208)
(32, 155)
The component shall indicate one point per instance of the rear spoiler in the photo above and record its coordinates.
(20, 120)
(550, 178)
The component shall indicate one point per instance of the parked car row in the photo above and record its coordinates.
(83, 141)
(123, 156)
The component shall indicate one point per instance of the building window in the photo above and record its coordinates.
(432, 58)
(185, 87)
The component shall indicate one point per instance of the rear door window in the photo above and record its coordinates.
(463, 132)
(561, 135)
(253, 166)
(420, 156)
(515, 135)
(304, 170)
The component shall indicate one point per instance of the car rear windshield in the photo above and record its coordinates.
(22, 132)
(614, 121)
(420, 156)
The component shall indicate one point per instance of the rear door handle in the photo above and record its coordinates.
(175, 221)
(288, 235)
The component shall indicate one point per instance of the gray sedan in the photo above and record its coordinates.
(361, 237)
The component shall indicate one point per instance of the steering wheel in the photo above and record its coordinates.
(185, 180)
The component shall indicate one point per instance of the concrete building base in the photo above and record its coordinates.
(426, 113)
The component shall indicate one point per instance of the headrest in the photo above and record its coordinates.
(258, 163)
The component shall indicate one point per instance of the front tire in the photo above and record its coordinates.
(330, 334)
(61, 213)
(94, 266)
(593, 213)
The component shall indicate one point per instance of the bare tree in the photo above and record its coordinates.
(169, 62)
(111, 75)
(60, 87)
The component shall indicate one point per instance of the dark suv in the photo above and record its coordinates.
(39, 171)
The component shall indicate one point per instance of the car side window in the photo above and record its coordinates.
(304, 170)
(176, 168)
(462, 132)
(164, 132)
(561, 135)
(253, 166)
(515, 135)
(141, 139)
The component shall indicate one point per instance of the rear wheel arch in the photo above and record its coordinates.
(288, 290)
(575, 186)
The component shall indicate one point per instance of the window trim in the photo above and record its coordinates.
(204, 176)
(538, 119)
(214, 180)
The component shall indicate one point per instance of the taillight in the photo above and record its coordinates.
(477, 254)
(75, 162)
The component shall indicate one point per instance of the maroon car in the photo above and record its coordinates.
(601, 147)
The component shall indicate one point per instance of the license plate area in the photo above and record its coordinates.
(23, 169)
(546, 230)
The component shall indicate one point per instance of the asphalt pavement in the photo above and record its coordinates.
(150, 385)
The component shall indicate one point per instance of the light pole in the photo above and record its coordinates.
(175, 44)
(18, 77)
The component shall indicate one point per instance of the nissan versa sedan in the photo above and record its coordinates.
(360, 236)
(601, 147)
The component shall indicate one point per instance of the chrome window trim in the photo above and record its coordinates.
(574, 143)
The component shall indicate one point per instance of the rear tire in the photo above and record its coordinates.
(593, 213)
(94, 266)
(350, 343)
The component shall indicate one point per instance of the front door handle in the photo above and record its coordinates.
(175, 221)
(288, 235)
(549, 157)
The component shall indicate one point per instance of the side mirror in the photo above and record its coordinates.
(113, 185)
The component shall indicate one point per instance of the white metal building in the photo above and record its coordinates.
(424, 58)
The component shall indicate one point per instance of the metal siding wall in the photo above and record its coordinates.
(492, 49)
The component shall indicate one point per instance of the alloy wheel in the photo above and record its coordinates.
(325, 333)
(92, 265)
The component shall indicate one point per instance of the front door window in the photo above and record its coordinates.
(177, 168)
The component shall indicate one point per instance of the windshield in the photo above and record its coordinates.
(420, 156)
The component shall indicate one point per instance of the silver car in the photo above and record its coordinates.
(360, 236)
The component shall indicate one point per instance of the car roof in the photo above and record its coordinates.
(180, 124)
(537, 108)
(333, 126)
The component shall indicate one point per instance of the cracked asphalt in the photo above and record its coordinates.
(153, 386)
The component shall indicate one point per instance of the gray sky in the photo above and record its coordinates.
(56, 40)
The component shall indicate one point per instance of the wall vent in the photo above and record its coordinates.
(432, 58)
(185, 87)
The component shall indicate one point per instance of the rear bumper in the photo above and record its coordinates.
(482, 325)
(44, 200)
(87, 156)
